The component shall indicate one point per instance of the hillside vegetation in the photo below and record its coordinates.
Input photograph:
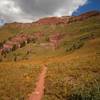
(75, 36)
(17, 80)
(73, 67)
(75, 76)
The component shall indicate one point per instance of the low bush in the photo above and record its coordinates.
(76, 79)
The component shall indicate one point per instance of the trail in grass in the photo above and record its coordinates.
(39, 90)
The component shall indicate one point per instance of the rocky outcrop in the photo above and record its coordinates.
(83, 16)
(16, 42)
(54, 20)
(67, 19)
(55, 39)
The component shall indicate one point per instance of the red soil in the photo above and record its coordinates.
(39, 90)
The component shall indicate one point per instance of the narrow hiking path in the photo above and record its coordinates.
(39, 90)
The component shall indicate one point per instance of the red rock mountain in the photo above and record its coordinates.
(67, 19)
(57, 20)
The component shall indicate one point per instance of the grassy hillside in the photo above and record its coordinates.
(77, 28)
(73, 69)
(76, 76)
(17, 80)
(75, 36)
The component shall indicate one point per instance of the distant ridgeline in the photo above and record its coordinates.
(57, 20)
(67, 19)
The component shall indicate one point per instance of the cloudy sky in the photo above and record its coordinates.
(31, 10)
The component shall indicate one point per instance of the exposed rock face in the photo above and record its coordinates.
(90, 14)
(55, 40)
(83, 16)
(67, 19)
(55, 20)
(16, 42)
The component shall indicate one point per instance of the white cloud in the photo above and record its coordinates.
(29, 10)
(70, 7)
(12, 12)
(9, 7)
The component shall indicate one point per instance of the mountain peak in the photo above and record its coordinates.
(67, 19)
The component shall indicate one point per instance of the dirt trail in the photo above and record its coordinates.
(39, 90)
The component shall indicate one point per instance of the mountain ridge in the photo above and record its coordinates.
(60, 20)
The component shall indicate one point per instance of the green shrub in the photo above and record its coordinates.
(74, 45)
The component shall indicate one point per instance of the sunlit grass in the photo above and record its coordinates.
(17, 80)
(77, 77)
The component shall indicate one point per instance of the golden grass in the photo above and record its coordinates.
(17, 80)
(75, 76)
